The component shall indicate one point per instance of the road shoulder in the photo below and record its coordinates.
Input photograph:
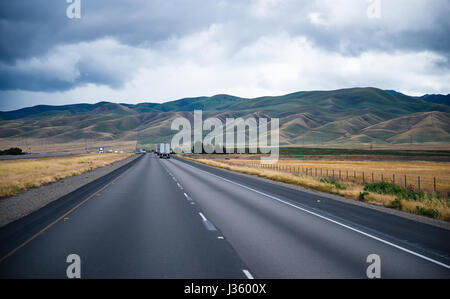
(27, 202)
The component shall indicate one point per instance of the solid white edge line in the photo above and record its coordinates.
(247, 274)
(331, 220)
(203, 216)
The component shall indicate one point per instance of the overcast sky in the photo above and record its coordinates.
(135, 51)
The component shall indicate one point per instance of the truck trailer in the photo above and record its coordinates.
(164, 151)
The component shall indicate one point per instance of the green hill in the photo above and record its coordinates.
(340, 117)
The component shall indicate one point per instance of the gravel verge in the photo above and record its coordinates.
(25, 203)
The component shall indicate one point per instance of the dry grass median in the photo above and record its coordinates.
(20, 175)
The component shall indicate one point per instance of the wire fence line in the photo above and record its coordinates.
(417, 183)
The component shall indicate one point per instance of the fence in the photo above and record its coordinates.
(419, 183)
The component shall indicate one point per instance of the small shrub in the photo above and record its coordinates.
(427, 212)
(362, 196)
(395, 204)
(31, 186)
(389, 188)
(324, 180)
(333, 182)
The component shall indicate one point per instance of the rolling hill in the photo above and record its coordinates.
(340, 117)
(437, 98)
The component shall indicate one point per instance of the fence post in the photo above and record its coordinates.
(372, 178)
(354, 174)
(363, 178)
(333, 173)
(434, 184)
(418, 182)
(405, 181)
(382, 178)
(339, 174)
(393, 179)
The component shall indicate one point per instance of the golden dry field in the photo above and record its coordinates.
(19, 175)
(385, 170)
(294, 172)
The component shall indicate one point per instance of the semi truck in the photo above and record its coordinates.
(164, 151)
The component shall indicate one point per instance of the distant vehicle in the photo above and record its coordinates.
(164, 151)
(142, 151)
(101, 150)
(110, 150)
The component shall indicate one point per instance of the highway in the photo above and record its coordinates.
(179, 219)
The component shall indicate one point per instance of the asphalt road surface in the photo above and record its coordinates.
(179, 219)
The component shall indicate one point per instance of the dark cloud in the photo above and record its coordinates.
(31, 27)
(115, 38)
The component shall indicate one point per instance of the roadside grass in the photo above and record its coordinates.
(19, 175)
(381, 194)
(427, 170)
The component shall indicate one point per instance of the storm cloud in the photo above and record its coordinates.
(131, 51)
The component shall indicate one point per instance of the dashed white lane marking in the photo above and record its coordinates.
(179, 186)
(248, 274)
(203, 216)
(220, 237)
(207, 223)
(327, 219)
(188, 197)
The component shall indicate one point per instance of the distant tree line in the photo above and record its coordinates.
(12, 151)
